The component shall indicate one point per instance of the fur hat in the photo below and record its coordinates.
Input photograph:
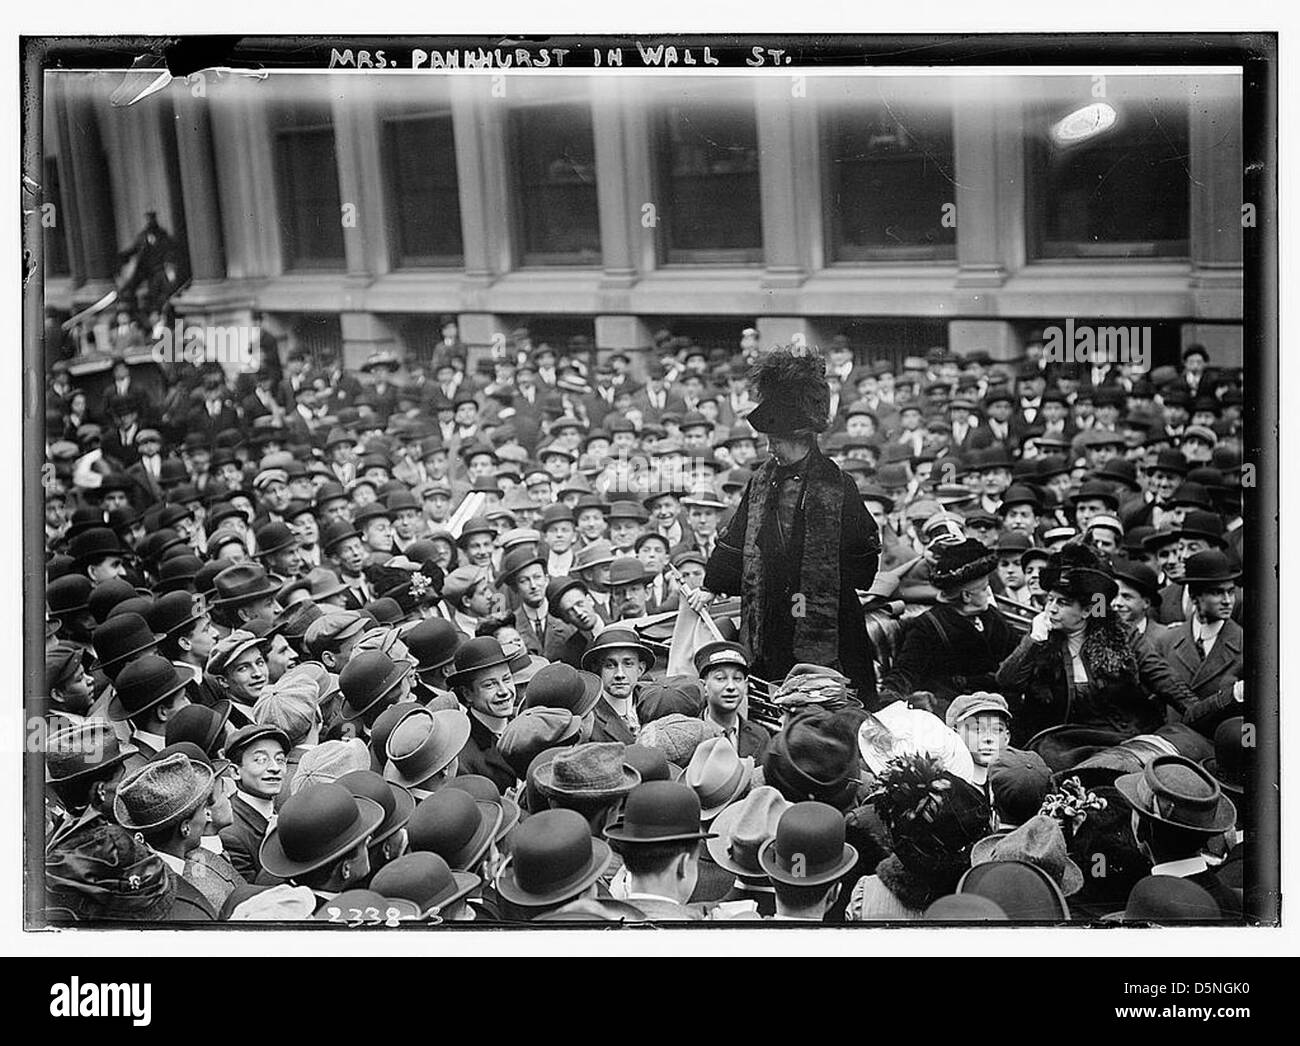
(961, 563)
(790, 385)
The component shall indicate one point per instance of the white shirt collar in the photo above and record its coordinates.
(155, 741)
(1182, 869)
(176, 864)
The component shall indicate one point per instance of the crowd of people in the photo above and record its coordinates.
(405, 644)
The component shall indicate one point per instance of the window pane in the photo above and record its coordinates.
(1120, 192)
(710, 163)
(310, 208)
(891, 174)
(421, 161)
(555, 161)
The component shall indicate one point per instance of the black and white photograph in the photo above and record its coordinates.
(701, 482)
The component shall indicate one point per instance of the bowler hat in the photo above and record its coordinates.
(484, 789)
(455, 826)
(1228, 764)
(94, 544)
(557, 586)
(122, 638)
(477, 525)
(317, 826)
(1177, 792)
(396, 802)
(172, 612)
(367, 678)
(617, 637)
(433, 642)
(177, 573)
(594, 770)
(1198, 523)
(275, 537)
(1163, 899)
(424, 743)
(658, 812)
(1023, 890)
(69, 594)
(336, 532)
(627, 570)
(473, 656)
(1139, 576)
(161, 793)
(808, 848)
(426, 880)
(1169, 461)
(1096, 490)
(82, 749)
(1209, 567)
(243, 583)
(562, 686)
(554, 859)
(200, 725)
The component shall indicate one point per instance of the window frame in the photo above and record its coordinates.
(397, 258)
(287, 123)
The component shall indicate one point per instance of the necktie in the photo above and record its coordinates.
(1200, 648)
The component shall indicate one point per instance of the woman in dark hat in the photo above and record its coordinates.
(801, 542)
(1076, 665)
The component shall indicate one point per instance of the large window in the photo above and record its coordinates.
(890, 192)
(709, 208)
(1108, 173)
(554, 158)
(420, 160)
(311, 213)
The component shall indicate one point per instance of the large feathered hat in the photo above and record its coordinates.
(793, 396)
(961, 563)
(1079, 573)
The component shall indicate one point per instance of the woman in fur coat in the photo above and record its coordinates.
(1076, 665)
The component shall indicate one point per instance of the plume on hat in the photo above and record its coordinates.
(794, 378)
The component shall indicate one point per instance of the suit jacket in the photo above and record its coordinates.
(1210, 680)
(208, 425)
(243, 839)
(480, 756)
(189, 904)
(673, 403)
(148, 492)
(1169, 611)
(567, 645)
(609, 724)
(557, 632)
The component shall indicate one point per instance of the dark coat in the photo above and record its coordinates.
(609, 725)
(1211, 681)
(782, 567)
(242, 839)
(944, 653)
(480, 756)
(1038, 681)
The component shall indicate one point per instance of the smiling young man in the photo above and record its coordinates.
(238, 663)
(724, 670)
(620, 659)
(260, 754)
(485, 685)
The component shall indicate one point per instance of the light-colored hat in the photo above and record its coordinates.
(742, 829)
(677, 736)
(718, 775)
(978, 703)
(329, 761)
(898, 730)
(1039, 841)
(161, 793)
(289, 703)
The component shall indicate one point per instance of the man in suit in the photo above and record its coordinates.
(655, 399)
(620, 659)
(167, 802)
(523, 572)
(484, 683)
(215, 412)
(658, 838)
(1206, 650)
(260, 754)
(146, 471)
(580, 618)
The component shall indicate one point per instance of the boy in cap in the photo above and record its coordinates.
(983, 721)
(723, 669)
